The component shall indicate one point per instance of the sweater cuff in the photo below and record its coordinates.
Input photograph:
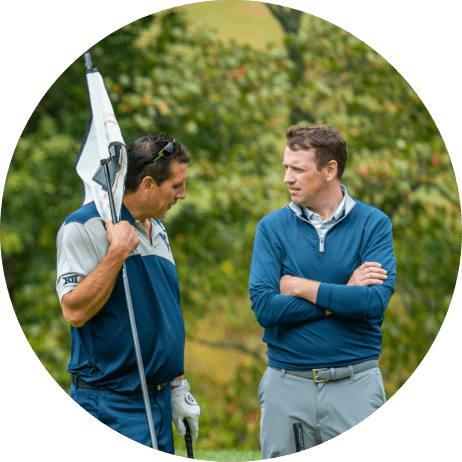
(323, 297)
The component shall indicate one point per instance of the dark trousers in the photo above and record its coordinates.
(126, 414)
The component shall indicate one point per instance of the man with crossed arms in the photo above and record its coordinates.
(322, 275)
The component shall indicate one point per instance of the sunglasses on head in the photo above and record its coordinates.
(167, 151)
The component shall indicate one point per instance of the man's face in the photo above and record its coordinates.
(163, 197)
(304, 181)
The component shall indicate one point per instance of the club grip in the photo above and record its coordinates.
(188, 440)
(298, 434)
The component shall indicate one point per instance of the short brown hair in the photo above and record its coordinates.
(328, 143)
(141, 155)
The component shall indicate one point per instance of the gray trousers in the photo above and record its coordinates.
(324, 409)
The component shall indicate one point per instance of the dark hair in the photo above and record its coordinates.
(328, 143)
(141, 155)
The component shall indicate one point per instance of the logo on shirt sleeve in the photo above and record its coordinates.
(70, 279)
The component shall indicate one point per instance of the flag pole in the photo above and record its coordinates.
(109, 166)
(131, 315)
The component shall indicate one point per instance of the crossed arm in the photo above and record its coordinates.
(291, 300)
(367, 274)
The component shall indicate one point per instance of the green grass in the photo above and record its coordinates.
(223, 456)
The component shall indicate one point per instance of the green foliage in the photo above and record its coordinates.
(231, 105)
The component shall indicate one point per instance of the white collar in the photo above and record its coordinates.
(347, 201)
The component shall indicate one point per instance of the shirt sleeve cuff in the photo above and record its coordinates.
(323, 297)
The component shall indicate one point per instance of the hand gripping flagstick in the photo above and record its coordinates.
(103, 183)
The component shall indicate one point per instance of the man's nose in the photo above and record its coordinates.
(288, 178)
(181, 193)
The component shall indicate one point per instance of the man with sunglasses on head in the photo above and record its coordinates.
(91, 253)
(322, 274)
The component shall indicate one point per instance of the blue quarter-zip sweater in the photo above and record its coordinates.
(298, 333)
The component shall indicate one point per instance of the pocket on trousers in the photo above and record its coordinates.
(89, 400)
(260, 386)
(380, 388)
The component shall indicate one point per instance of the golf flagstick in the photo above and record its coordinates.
(102, 137)
(131, 315)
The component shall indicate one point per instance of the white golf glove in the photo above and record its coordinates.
(184, 406)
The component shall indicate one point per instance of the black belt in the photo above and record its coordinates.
(332, 374)
(81, 384)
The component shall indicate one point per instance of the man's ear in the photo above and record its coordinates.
(147, 184)
(331, 169)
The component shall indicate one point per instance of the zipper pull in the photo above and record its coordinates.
(321, 244)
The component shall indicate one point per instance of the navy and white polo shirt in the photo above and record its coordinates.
(102, 351)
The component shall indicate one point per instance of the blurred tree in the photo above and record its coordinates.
(290, 22)
(231, 105)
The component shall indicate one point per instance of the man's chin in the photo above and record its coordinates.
(164, 214)
(296, 200)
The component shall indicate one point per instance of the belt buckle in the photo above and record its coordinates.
(315, 377)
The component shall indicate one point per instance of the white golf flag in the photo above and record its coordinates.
(102, 140)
